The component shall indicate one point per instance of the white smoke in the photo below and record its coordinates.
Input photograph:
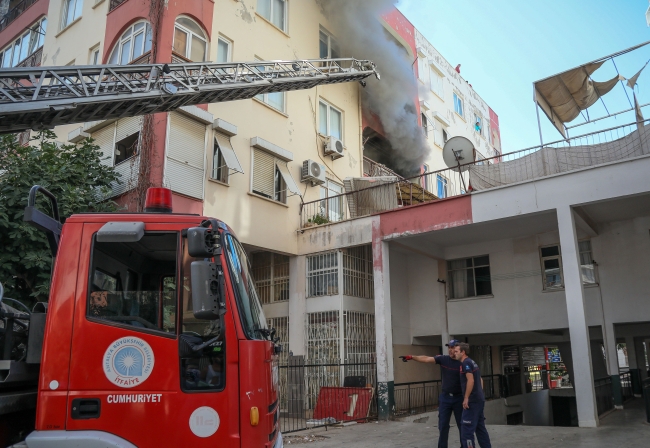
(361, 35)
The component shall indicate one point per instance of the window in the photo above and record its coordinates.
(271, 274)
(224, 158)
(425, 178)
(268, 178)
(445, 136)
(224, 50)
(140, 295)
(437, 85)
(441, 186)
(425, 125)
(323, 274)
(358, 272)
(206, 371)
(587, 265)
(478, 124)
(439, 133)
(25, 45)
(189, 40)
(126, 148)
(219, 167)
(332, 203)
(133, 43)
(423, 69)
(330, 120)
(71, 11)
(94, 56)
(551, 266)
(328, 47)
(275, 99)
(469, 277)
(458, 104)
(275, 11)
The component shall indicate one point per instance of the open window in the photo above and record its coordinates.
(224, 159)
(271, 177)
(126, 148)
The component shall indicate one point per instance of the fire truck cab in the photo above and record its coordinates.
(154, 336)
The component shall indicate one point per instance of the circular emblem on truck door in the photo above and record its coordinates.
(204, 421)
(128, 362)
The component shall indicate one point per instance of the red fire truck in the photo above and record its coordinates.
(153, 334)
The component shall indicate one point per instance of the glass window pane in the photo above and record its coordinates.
(138, 42)
(482, 261)
(588, 274)
(69, 12)
(197, 51)
(113, 59)
(222, 51)
(335, 124)
(147, 41)
(33, 40)
(323, 45)
(584, 246)
(278, 13)
(552, 274)
(180, 42)
(276, 100)
(24, 47)
(16, 53)
(264, 8)
(550, 251)
(138, 26)
(322, 118)
(190, 25)
(335, 51)
(483, 281)
(78, 7)
(42, 29)
(125, 56)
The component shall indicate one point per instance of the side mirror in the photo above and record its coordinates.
(206, 291)
(202, 242)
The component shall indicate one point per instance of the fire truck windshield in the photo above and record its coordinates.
(250, 309)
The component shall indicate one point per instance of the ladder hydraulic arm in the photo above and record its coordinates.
(44, 97)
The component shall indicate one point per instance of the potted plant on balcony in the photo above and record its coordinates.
(317, 220)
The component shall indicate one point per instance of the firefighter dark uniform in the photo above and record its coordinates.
(473, 419)
(451, 398)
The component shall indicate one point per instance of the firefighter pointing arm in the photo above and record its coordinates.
(451, 397)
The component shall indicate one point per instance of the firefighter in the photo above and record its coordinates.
(451, 397)
(473, 419)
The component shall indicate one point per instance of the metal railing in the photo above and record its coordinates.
(584, 151)
(43, 97)
(417, 397)
(321, 394)
(374, 169)
(114, 4)
(604, 395)
(33, 60)
(627, 390)
(15, 12)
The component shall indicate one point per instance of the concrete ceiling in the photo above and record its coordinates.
(619, 209)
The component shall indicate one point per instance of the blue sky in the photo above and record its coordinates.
(506, 45)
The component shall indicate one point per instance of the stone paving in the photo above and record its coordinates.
(621, 429)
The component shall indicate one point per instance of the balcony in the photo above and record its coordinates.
(15, 12)
(114, 4)
(374, 194)
(33, 60)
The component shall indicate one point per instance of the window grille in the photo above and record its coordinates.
(360, 345)
(271, 274)
(322, 275)
(358, 280)
(281, 325)
(323, 337)
(469, 277)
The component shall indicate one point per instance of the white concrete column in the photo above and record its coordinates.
(384, 332)
(578, 329)
(610, 349)
(297, 304)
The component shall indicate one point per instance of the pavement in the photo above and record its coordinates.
(624, 428)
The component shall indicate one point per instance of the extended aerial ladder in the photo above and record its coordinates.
(44, 97)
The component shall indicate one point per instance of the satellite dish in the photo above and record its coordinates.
(458, 151)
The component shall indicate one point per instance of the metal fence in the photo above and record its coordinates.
(604, 395)
(316, 395)
(627, 391)
(14, 12)
(416, 397)
(372, 195)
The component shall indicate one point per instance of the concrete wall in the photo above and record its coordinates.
(536, 407)
(406, 372)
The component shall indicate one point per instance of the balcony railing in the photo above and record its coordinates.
(33, 60)
(114, 4)
(14, 12)
(376, 169)
(564, 156)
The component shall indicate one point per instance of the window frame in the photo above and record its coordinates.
(444, 182)
(331, 43)
(478, 119)
(285, 18)
(324, 272)
(224, 169)
(229, 43)
(277, 176)
(190, 34)
(433, 70)
(473, 268)
(423, 68)
(325, 209)
(560, 267)
(274, 282)
(330, 107)
(132, 34)
(94, 58)
(65, 10)
(425, 125)
(425, 177)
(158, 332)
(459, 104)
(264, 97)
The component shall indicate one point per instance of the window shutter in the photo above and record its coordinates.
(263, 173)
(129, 168)
(185, 156)
(127, 126)
(104, 139)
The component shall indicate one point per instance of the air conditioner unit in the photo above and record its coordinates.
(312, 172)
(334, 148)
